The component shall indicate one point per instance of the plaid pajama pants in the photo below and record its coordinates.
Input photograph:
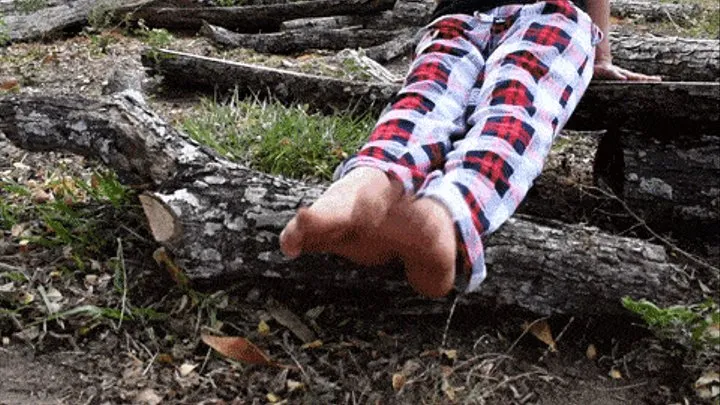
(477, 114)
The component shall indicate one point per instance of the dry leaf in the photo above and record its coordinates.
(238, 348)
(591, 352)
(272, 398)
(615, 374)
(165, 358)
(41, 196)
(541, 330)
(450, 354)
(186, 369)
(288, 319)
(263, 328)
(449, 390)
(708, 385)
(162, 258)
(148, 397)
(398, 381)
(9, 83)
(313, 345)
(17, 230)
(713, 331)
(293, 385)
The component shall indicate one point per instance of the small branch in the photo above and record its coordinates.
(656, 235)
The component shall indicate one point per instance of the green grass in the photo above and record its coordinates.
(72, 218)
(705, 25)
(270, 137)
(4, 35)
(29, 6)
(692, 326)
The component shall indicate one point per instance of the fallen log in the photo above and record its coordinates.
(380, 21)
(673, 58)
(402, 45)
(252, 19)
(663, 109)
(220, 221)
(413, 12)
(660, 108)
(287, 42)
(320, 92)
(49, 21)
(405, 13)
(655, 11)
(670, 183)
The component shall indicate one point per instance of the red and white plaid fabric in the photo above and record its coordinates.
(483, 100)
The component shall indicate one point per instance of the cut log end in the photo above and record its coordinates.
(164, 225)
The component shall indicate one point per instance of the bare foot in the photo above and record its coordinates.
(423, 235)
(353, 206)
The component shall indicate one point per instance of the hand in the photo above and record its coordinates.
(609, 71)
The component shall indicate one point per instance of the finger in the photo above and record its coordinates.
(291, 239)
(641, 77)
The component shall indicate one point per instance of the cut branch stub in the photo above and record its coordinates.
(164, 224)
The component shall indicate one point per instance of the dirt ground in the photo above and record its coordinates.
(370, 350)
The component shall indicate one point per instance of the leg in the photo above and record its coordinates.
(410, 139)
(533, 81)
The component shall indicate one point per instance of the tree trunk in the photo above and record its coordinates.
(52, 20)
(679, 59)
(659, 108)
(220, 221)
(654, 11)
(252, 19)
(288, 42)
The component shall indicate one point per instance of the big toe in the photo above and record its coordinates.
(291, 238)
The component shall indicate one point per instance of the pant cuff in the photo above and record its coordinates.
(470, 268)
(401, 173)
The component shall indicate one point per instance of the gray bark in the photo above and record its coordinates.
(659, 108)
(220, 221)
(673, 58)
(384, 20)
(252, 19)
(672, 183)
(662, 109)
(402, 45)
(288, 42)
(413, 12)
(654, 11)
(52, 20)
(320, 92)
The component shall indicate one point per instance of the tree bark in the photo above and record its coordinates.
(413, 12)
(220, 221)
(49, 21)
(384, 20)
(654, 11)
(323, 93)
(673, 58)
(402, 45)
(252, 19)
(658, 108)
(662, 109)
(288, 42)
(673, 184)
